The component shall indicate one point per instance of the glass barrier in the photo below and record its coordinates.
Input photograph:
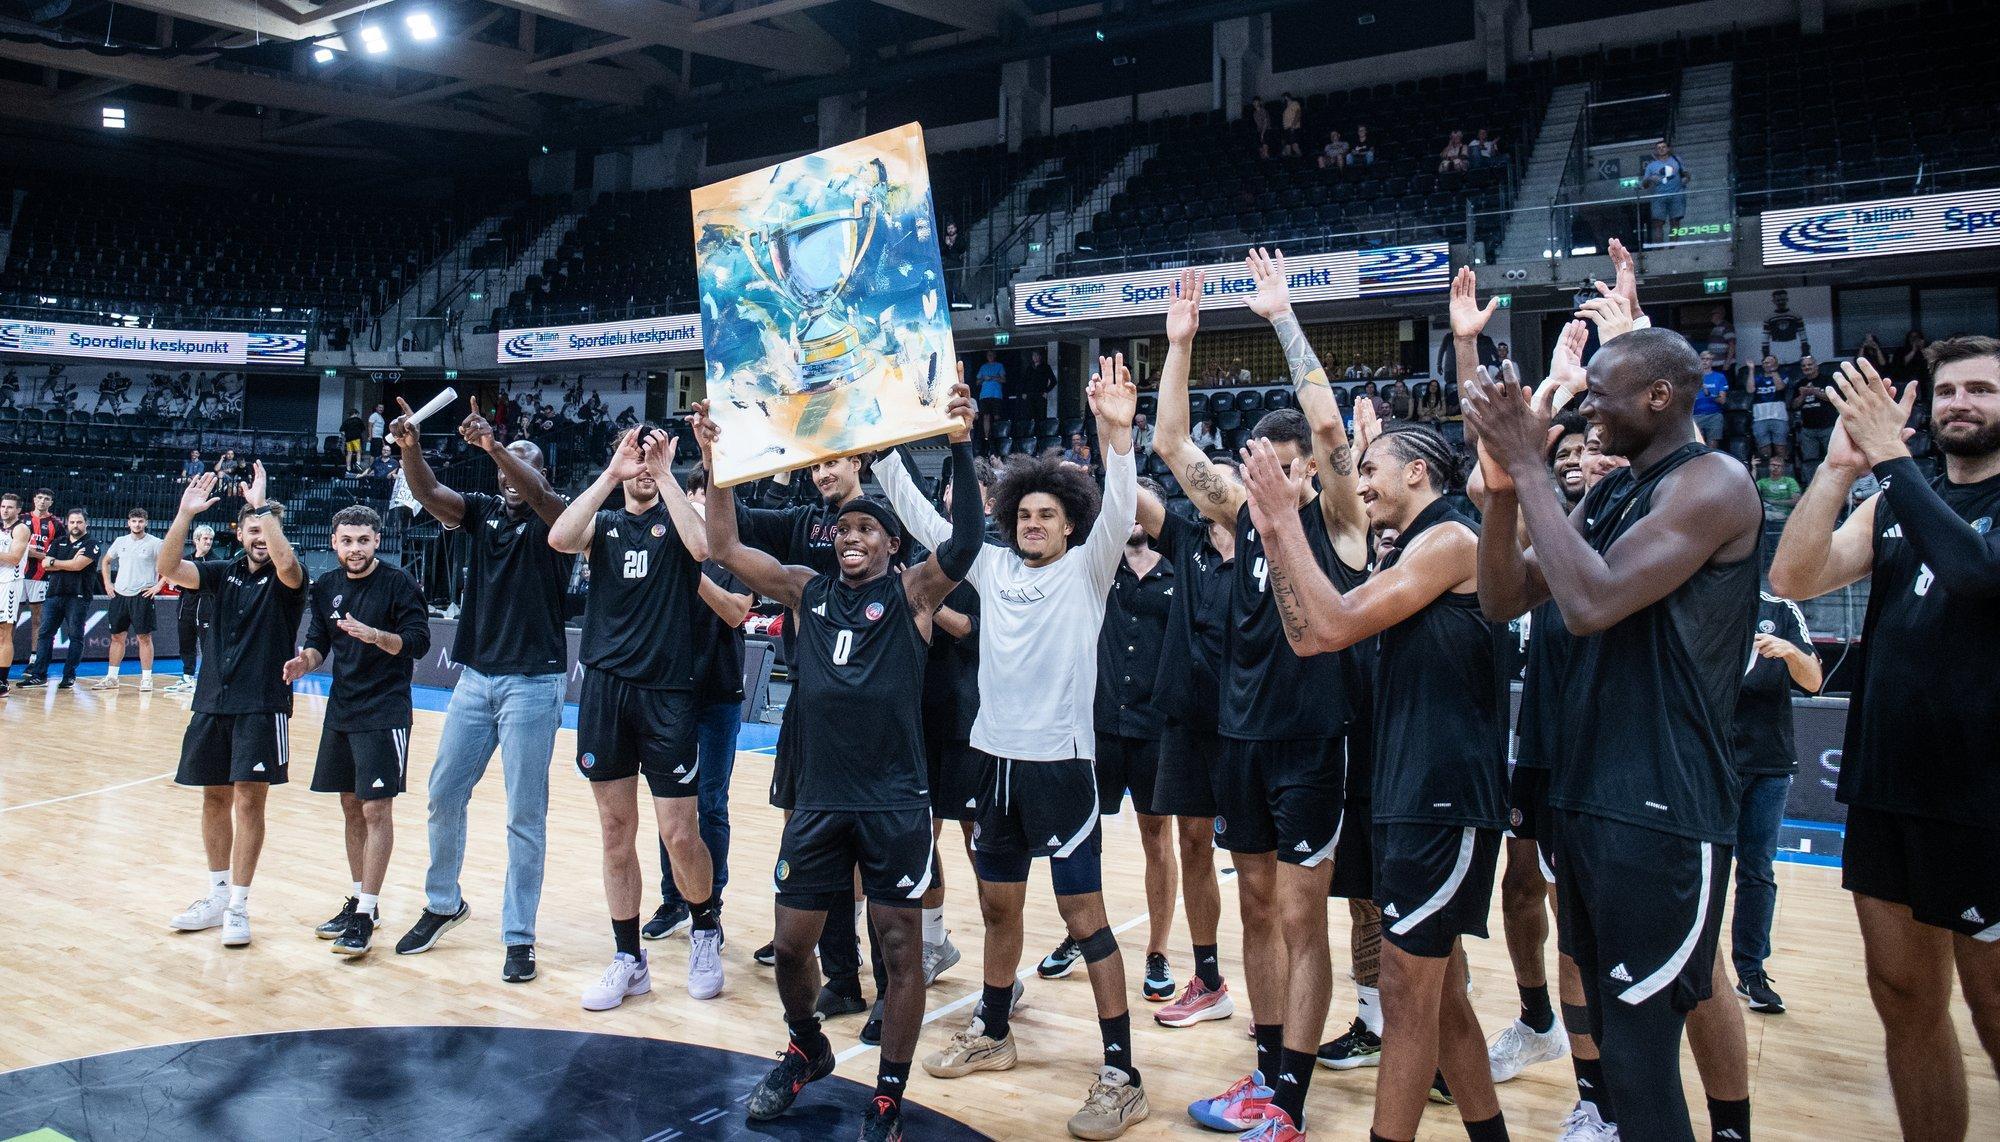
(229, 319)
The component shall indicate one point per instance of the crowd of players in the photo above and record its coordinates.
(1312, 675)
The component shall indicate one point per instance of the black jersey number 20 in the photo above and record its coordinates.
(635, 564)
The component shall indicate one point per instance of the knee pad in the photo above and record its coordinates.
(1576, 1020)
(1099, 945)
(1079, 873)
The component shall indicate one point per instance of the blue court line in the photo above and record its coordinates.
(1816, 826)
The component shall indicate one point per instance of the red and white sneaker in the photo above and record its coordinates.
(1197, 1004)
(1277, 1128)
(1246, 1104)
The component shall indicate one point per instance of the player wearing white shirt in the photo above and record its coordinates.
(131, 579)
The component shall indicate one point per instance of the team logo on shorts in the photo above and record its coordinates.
(1766, 626)
(873, 611)
(1220, 825)
(1514, 817)
(587, 760)
(784, 869)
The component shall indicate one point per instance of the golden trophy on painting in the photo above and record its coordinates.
(808, 260)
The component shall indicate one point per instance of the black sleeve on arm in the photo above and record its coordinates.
(968, 517)
(413, 620)
(1966, 562)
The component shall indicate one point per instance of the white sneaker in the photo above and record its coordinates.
(626, 976)
(939, 959)
(705, 963)
(235, 927)
(145, 684)
(1584, 1125)
(1519, 1046)
(108, 682)
(202, 915)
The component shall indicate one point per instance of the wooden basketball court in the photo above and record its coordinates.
(101, 848)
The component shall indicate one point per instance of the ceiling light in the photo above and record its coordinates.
(114, 117)
(373, 41)
(322, 55)
(420, 25)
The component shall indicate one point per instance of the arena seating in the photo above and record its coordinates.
(631, 255)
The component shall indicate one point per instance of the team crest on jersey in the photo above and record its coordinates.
(336, 605)
(873, 611)
(1767, 626)
(659, 529)
(587, 760)
(1514, 818)
(784, 869)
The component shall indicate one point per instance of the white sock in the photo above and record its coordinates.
(146, 674)
(934, 925)
(218, 882)
(357, 890)
(861, 915)
(239, 896)
(1369, 1000)
(367, 902)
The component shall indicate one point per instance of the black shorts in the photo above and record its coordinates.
(1354, 853)
(785, 767)
(1280, 796)
(821, 848)
(1187, 755)
(1036, 808)
(957, 774)
(1126, 763)
(1528, 801)
(1947, 874)
(371, 764)
(130, 612)
(1639, 910)
(222, 749)
(1434, 883)
(623, 730)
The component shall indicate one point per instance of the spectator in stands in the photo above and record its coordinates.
(1260, 118)
(1485, 150)
(1206, 436)
(1736, 405)
(1038, 382)
(1817, 416)
(545, 430)
(1358, 370)
(992, 387)
(1721, 339)
(1430, 404)
(229, 471)
(1708, 402)
(351, 431)
(1295, 121)
(192, 466)
(377, 429)
(1770, 410)
(1667, 177)
(385, 465)
(1456, 157)
(1779, 490)
(1242, 371)
(1142, 435)
(1872, 352)
(1402, 405)
(1502, 354)
(1910, 364)
(1373, 397)
(1334, 155)
(1363, 154)
(951, 247)
(1079, 452)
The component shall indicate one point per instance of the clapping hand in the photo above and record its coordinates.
(1113, 396)
(1468, 320)
(199, 495)
(358, 630)
(253, 493)
(1273, 491)
(627, 462)
(658, 452)
(1875, 421)
(1273, 298)
(1567, 378)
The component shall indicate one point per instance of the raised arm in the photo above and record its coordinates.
(283, 559)
(929, 582)
(728, 606)
(196, 498)
(534, 487)
(1114, 398)
(1213, 494)
(573, 530)
(1333, 454)
(448, 506)
(919, 517)
(1817, 553)
(759, 570)
(659, 453)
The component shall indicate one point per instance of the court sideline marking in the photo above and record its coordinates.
(87, 792)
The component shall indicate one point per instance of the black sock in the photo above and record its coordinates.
(993, 1010)
(1270, 1046)
(1535, 1009)
(890, 1079)
(1492, 1129)
(707, 915)
(1117, 1036)
(1590, 1086)
(626, 932)
(1374, 1137)
(1208, 966)
(1729, 1121)
(808, 1037)
(1295, 1074)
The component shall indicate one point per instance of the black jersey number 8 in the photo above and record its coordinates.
(843, 647)
(635, 564)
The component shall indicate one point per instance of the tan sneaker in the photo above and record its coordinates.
(108, 682)
(972, 1050)
(1111, 1107)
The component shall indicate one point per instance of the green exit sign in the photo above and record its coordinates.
(1715, 285)
(1506, 300)
(1001, 337)
(451, 374)
(1627, 183)
(329, 373)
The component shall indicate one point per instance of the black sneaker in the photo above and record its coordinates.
(520, 966)
(66, 684)
(1060, 962)
(423, 935)
(1360, 1047)
(669, 920)
(1159, 985)
(1440, 1093)
(871, 1032)
(776, 1091)
(332, 929)
(1755, 986)
(358, 937)
(29, 682)
(884, 1122)
(834, 1002)
(766, 955)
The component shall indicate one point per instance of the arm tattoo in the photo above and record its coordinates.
(1299, 355)
(1291, 609)
(1342, 461)
(1202, 478)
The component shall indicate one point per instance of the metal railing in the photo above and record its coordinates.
(1925, 178)
(278, 319)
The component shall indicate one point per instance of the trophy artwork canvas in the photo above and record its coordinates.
(825, 326)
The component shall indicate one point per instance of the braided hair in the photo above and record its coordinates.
(1443, 464)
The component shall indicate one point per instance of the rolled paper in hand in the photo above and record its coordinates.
(432, 405)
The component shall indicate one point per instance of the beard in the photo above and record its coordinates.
(1982, 441)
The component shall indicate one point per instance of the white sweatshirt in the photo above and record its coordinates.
(1037, 625)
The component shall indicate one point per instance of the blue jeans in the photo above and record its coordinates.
(716, 725)
(518, 714)
(65, 613)
(1763, 808)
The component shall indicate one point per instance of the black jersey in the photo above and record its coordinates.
(1546, 658)
(244, 650)
(1763, 730)
(643, 619)
(1269, 693)
(857, 697)
(1923, 730)
(1440, 701)
(951, 672)
(1650, 703)
(371, 687)
(511, 618)
(1187, 687)
(1128, 649)
(719, 677)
